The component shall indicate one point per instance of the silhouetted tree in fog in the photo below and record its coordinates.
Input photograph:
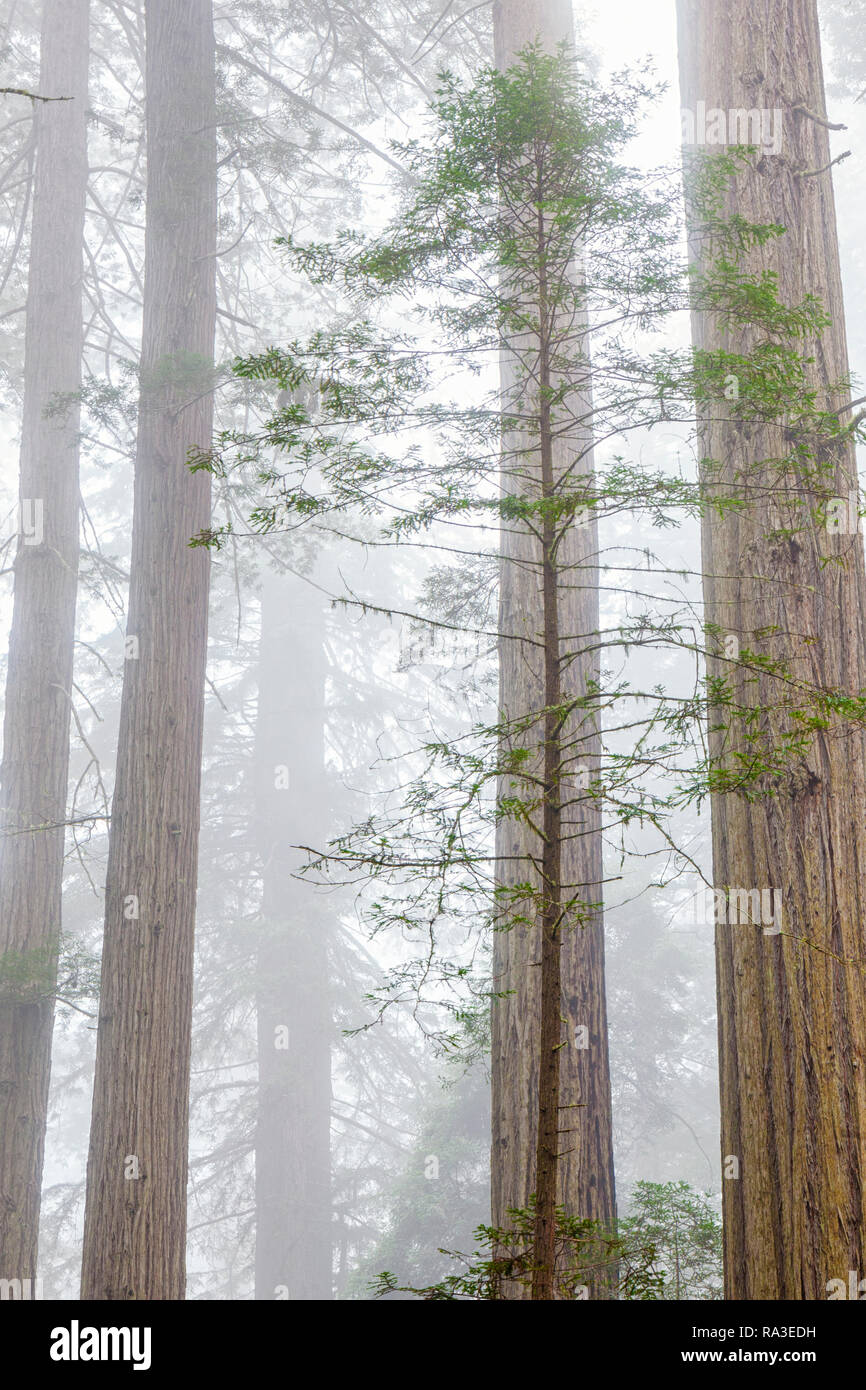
(39, 679)
(293, 1005)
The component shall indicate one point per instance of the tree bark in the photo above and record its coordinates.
(39, 679)
(532, 1022)
(553, 924)
(792, 1006)
(293, 1156)
(135, 1219)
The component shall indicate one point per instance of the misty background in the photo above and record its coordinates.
(313, 706)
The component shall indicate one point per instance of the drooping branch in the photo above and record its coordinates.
(234, 56)
(34, 96)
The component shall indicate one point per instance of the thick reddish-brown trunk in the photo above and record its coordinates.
(792, 1003)
(135, 1221)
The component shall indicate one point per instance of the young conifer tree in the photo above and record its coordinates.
(513, 177)
(544, 972)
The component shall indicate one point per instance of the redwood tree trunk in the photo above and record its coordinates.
(39, 680)
(572, 956)
(792, 1006)
(293, 1156)
(135, 1220)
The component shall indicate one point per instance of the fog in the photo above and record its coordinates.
(288, 789)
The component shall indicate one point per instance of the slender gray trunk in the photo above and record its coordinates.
(293, 1160)
(39, 681)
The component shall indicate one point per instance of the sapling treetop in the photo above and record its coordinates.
(395, 410)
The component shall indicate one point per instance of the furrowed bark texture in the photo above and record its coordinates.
(792, 1006)
(293, 1159)
(550, 1138)
(39, 680)
(134, 1233)
(585, 1162)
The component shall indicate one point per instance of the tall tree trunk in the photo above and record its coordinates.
(564, 1002)
(293, 1156)
(792, 1006)
(135, 1220)
(39, 681)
